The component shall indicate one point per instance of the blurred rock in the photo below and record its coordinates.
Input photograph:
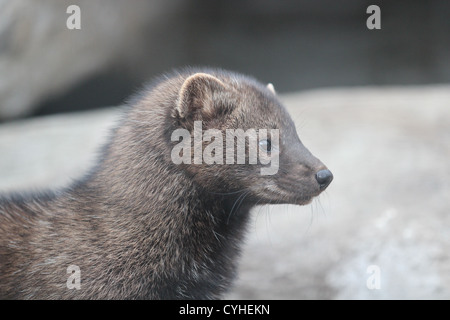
(388, 206)
(40, 57)
(51, 151)
(46, 68)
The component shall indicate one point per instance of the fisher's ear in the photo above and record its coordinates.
(196, 98)
(271, 88)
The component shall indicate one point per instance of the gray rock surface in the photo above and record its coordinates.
(388, 206)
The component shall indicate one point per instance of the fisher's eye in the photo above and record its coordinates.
(265, 145)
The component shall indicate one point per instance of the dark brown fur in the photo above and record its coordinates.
(139, 226)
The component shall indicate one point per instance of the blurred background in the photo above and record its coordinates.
(373, 105)
(297, 45)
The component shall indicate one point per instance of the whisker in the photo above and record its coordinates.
(258, 214)
(319, 206)
(240, 200)
(311, 219)
(225, 193)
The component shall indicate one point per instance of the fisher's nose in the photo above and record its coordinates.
(324, 178)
